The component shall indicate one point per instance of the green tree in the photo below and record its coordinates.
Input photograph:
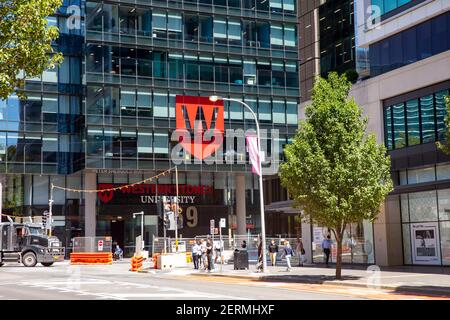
(334, 171)
(445, 147)
(25, 42)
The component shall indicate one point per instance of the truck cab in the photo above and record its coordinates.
(28, 244)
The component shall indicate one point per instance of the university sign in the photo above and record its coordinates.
(151, 193)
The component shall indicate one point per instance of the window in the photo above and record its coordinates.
(388, 127)
(290, 38)
(220, 28)
(160, 107)
(412, 114)
(276, 35)
(291, 112)
(145, 143)
(427, 116)
(411, 45)
(279, 112)
(398, 114)
(424, 119)
(174, 22)
(441, 112)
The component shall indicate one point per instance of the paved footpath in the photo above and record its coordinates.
(420, 280)
(116, 282)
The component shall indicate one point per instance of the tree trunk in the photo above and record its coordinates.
(339, 257)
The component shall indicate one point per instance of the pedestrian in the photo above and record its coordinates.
(217, 250)
(203, 254)
(273, 251)
(300, 252)
(195, 254)
(259, 265)
(288, 252)
(209, 254)
(326, 247)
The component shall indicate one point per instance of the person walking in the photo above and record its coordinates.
(209, 254)
(326, 247)
(288, 253)
(259, 265)
(203, 254)
(300, 252)
(273, 251)
(195, 254)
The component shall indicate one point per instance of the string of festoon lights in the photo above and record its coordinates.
(131, 185)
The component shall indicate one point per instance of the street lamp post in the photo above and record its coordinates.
(142, 227)
(261, 193)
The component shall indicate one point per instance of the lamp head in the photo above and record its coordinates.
(214, 98)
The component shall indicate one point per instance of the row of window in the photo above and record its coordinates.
(423, 175)
(131, 103)
(337, 37)
(190, 27)
(261, 5)
(36, 148)
(430, 208)
(386, 6)
(414, 44)
(176, 65)
(415, 121)
(112, 142)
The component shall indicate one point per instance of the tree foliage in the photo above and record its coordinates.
(335, 172)
(445, 147)
(25, 42)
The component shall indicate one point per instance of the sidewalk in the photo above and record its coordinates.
(425, 280)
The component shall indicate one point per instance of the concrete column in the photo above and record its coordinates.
(240, 204)
(307, 240)
(1, 196)
(90, 206)
(388, 234)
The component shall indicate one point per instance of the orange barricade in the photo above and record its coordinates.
(91, 258)
(155, 260)
(136, 263)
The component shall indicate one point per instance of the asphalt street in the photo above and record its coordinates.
(115, 282)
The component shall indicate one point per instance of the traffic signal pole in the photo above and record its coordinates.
(176, 211)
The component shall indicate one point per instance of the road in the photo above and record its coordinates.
(115, 282)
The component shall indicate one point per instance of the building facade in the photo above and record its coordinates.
(107, 116)
(408, 49)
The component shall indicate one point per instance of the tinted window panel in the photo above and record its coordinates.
(427, 113)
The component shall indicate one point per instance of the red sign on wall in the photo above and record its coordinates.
(198, 115)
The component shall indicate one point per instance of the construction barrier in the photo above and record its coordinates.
(91, 258)
(155, 260)
(188, 257)
(136, 263)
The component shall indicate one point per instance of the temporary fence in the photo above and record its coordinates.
(228, 246)
(91, 250)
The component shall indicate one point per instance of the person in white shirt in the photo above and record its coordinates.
(196, 253)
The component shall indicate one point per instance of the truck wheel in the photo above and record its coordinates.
(47, 264)
(29, 259)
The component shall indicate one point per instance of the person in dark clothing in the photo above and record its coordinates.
(326, 246)
(273, 251)
(259, 265)
(209, 254)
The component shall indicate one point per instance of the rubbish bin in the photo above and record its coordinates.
(240, 259)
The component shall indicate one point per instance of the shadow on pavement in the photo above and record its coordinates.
(312, 279)
(437, 291)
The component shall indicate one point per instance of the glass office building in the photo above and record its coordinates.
(106, 116)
